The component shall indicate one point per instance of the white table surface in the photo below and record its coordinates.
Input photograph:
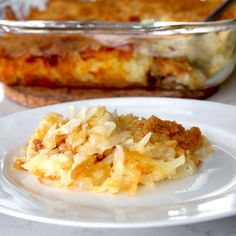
(10, 226)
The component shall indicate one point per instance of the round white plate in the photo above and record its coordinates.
(209, 194)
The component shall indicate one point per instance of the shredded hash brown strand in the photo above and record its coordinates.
(100, 151)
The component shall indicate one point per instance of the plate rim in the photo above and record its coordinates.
(109, 225)
(213, 103)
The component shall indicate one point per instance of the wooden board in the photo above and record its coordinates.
(40, 96)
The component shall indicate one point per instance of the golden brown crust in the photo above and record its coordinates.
(129, 10)
(168, 130)
(38, 96)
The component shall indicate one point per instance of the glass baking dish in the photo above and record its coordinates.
(182, 56)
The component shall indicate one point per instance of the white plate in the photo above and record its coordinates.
(209, 194)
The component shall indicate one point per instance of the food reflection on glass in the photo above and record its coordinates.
(100, 151)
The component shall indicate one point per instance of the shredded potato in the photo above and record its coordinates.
(97, 150)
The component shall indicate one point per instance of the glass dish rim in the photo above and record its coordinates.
(147, 27)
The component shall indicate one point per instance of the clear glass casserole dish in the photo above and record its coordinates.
(149, 54)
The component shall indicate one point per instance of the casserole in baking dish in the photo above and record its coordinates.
(116, 44)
